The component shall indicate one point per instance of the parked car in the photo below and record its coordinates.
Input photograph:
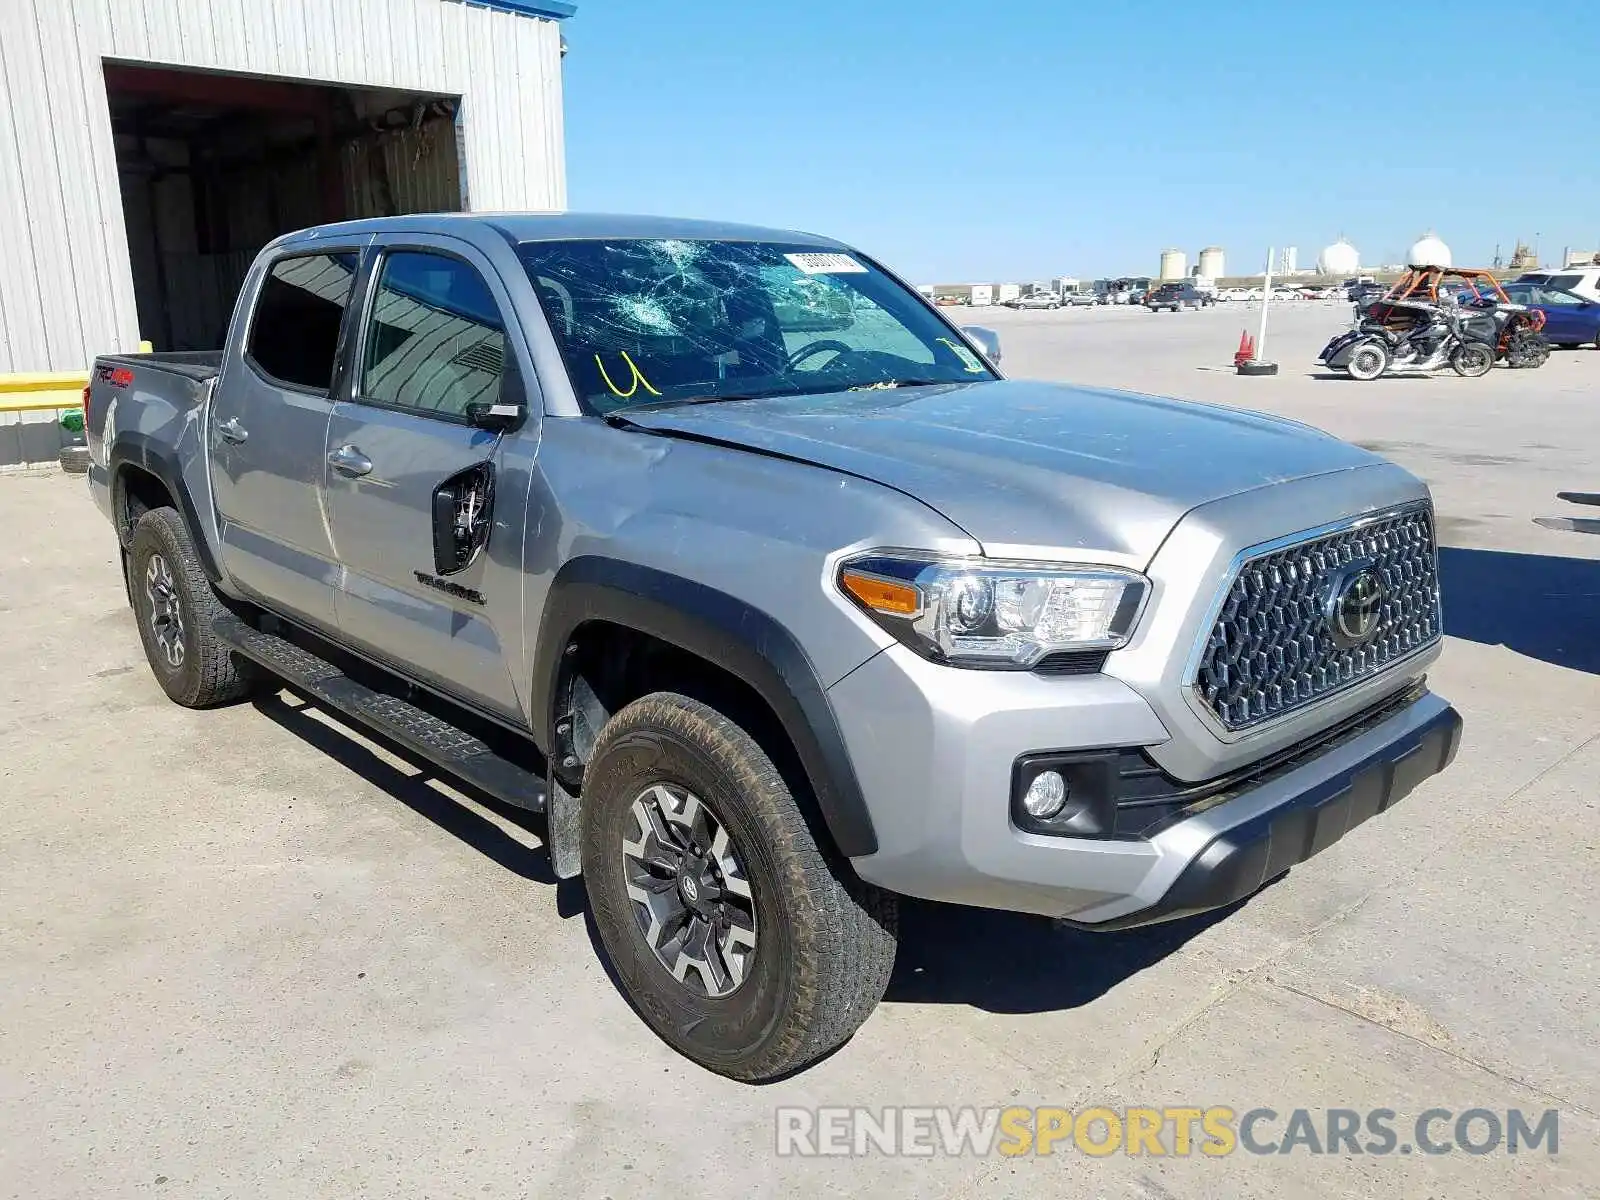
(1570, 320)
(1583, 282)
(1174, 296)
(769, 624)
(1082, 299)
(1285, 293)
(1048, 300)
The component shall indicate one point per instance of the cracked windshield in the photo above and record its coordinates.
(664, 321)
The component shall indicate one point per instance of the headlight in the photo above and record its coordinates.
(978, 612)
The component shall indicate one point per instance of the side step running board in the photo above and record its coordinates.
(450, 749)
(1570, 524)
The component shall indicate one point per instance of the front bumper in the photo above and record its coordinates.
(934, 761)
(1300, 820)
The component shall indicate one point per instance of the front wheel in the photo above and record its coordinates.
(732, 934)
(1368, 360)
(1472, 359)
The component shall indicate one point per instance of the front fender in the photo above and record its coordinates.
(723, 630)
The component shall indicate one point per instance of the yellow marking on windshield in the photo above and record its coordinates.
(633, 384)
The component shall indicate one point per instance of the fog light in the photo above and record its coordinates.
(1045, 795)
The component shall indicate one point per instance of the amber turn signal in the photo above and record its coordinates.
(882, 595)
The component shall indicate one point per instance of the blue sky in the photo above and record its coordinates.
(1025, 138)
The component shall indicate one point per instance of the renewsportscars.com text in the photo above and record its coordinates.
(1180, 1131)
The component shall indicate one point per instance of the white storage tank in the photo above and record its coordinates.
(1211, 263)
(1340, 259)
(1428, 251)
(1173, 264)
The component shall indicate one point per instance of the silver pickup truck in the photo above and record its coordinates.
(726, 551)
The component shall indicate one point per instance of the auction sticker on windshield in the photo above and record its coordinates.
(826, 264)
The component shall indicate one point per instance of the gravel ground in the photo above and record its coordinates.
(249, 953)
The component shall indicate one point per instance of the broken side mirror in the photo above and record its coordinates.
(507, 411)
(988, 341)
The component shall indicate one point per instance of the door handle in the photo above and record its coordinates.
(347, 460)
(232, 431)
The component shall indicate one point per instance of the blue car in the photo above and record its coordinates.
(1570, 321)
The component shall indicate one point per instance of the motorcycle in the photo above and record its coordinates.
(1412, 339)
(1419, 326)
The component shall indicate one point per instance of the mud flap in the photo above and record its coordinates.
(561, 815)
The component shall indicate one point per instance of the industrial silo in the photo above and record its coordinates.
(1211, 263)
(1173, 263)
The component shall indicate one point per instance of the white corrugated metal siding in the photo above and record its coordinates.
(66, 287)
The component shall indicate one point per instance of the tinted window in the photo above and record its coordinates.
(1566, 281)
(655, 321)
(294, 336)
(436, 342)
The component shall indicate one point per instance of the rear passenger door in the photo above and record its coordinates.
(403, 461)
(268, 426)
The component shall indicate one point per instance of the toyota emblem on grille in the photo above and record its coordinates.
(1355, 603)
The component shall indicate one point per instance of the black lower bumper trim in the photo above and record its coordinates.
(1243, 859)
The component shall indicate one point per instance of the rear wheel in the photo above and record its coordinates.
(1368, 360)
(175, 605)
(1472, 359)
(732, 934)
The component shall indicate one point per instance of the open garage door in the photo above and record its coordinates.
(213, 166)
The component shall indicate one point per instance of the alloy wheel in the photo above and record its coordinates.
(691, 895)
(166, 610)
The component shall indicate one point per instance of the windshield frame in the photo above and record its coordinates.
(980, 370)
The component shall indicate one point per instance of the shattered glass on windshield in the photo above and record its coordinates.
(642, 321)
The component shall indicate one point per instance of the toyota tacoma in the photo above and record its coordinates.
(727, 552)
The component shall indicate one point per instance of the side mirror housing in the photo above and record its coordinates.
(988, 341)
(507, 412)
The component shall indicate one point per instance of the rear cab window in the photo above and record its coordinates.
(294, 330)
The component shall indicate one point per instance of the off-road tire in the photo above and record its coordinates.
(825, 939)
(209, 674)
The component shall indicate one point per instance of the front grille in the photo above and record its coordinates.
(1272, 649)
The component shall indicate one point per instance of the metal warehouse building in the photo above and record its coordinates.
(149, 148)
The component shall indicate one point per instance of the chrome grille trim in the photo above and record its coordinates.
(1402, 543)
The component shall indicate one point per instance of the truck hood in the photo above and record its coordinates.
(1029, 470)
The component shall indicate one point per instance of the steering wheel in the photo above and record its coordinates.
(814, 348)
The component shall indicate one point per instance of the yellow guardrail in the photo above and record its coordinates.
(45, 392)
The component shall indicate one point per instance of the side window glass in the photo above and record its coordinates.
(294, 334)
(436, 342)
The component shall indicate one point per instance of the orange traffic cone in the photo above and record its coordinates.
(1246, 350)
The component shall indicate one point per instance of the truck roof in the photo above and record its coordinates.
(542, 227)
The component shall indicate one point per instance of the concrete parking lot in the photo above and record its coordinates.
(249, 953)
